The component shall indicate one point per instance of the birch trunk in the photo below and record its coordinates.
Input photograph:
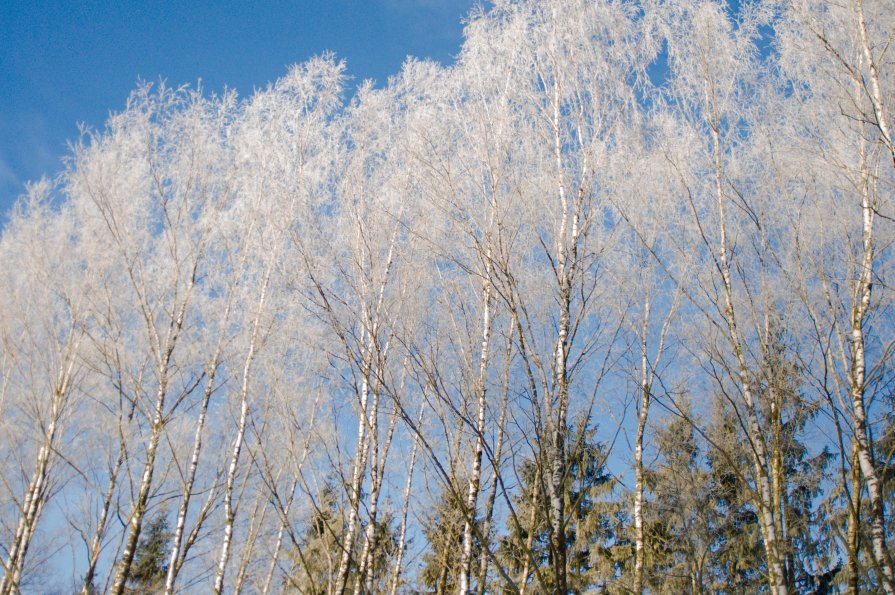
(526, 568)
(229, 508)
(360, 465)
(638, 454)
(475, 478)
(33, 506)
(776, 574)
(370, 317)
(402, 537)
(255, 527)
(566, 250)
(375, 482)
(36, 493)
(96, 544)
(174, 563)
(854, 523)
(139, 509)
(284, 521)
(857, 378)
(365, 575)
(498, 454)
(163, 367)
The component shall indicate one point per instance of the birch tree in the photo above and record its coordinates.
(836, 59)
(151, 203)
(43, 329)
(573, 100)
(293, 114)
(713, 74)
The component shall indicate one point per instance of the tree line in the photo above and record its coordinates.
(605, 305)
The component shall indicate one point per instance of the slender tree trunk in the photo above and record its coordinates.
(203, 514)
(857, 377)
(472, 494)
(139, 509)
(498, 453)
(370, 318)
(174, 564)
(638, 454)
(365, 572)
(854, 523)
(96, 545)
(529, 542)
(370, 529)
(36, 493)
(163, 367)
(186, 495)
(256, 526)
(33, 506)
(357, 478)
(778, 477)
(284, 509)
(566, 244)
(229, 508)
(402, 537)
(874, 90)
(278, 544)
(558, 449)
(776, 574)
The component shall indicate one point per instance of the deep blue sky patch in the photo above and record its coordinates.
(65, 62)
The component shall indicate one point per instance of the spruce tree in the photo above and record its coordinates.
(150, 564)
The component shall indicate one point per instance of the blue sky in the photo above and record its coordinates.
(65, 62)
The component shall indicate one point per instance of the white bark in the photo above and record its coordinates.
(35, 496)
(765, 505)
(99, 533)
(861, 306)
(496, 465)
(138, 511)
(476, 475)
(176, 561)
(370, 372)
(360, 465)
(645, 395)
(405, 507)
(857, 377)
(230, 509)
